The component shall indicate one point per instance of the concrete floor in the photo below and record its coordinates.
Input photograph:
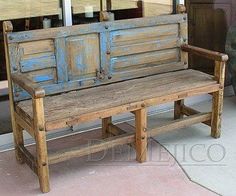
(209, 162)
(113, 172)
(206, 163)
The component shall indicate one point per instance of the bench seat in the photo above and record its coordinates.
(62, 77)
(75, 107)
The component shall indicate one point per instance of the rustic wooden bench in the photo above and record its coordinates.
(62, 77)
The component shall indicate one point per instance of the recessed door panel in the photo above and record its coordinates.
(84, 58)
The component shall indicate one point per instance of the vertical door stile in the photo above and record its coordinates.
(61, 59)
(105, 51)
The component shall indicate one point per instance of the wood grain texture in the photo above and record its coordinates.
(96, 71)
(105, 126)
(76, 30)
(93, 148)
(41, 145)
(83, 58)
(7, 27)
(188, 111)
(67, 107)
(217, 56)
(71, 58)
(178, 109)
(217, 100)
(180, 124)
(141, 135)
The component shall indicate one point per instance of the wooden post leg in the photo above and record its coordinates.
(17, 132)
(217, 108)
(217, 100)
(19, 141)
(177, 109)
(41, 145)
(141, 135)
(105, 127)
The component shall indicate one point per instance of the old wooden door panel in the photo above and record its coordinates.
(207, 29)
(35, 60)
(84, 52)
(65, 59)
(138, 35)
(139, 48)
(144, 59)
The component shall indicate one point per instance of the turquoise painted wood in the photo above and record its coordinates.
(72, 58)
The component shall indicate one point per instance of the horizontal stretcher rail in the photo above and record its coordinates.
(180, 123)
(125, 138)
(190, 111)
(67, 154)
(29, 159)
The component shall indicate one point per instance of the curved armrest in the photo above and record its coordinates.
(217, 56)
(28, 85)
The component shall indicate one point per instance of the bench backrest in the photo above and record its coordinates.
(71, 58)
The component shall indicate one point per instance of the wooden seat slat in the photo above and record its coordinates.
(77, 103)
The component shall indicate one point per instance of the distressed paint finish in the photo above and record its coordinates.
(94, 28)
(38, 63)
(61, 60)
(106, 53)
(83, 56)
(77, 57)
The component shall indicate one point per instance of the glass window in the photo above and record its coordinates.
(86, 11)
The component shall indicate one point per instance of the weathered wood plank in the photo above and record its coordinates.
(51, 89)
(217, 100)
(41, 145)
(25, 124)
(178, 109)
(170, 55)
(184, 40)
(190, 111)
(61, 60)
(217, 56)
(105, 127)
(105, 51)
(84, 56)
(141, 136)
(82, 151)
(43, 61)
(29, 159)
(18, 137)
(145, 46)
(51, 125)
(36, 47)
(93, 28)
(180, 124)
(33, 89)
(139, 35)
(127, 95)
(115, 130)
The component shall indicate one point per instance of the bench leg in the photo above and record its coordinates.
(105, 127)
(141, 135)
(217, 109)
(41, 145)
(177, 109)
(19, 141)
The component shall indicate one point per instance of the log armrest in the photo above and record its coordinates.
(216, 56)
(28, 85)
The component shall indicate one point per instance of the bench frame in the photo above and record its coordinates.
(36, 126)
